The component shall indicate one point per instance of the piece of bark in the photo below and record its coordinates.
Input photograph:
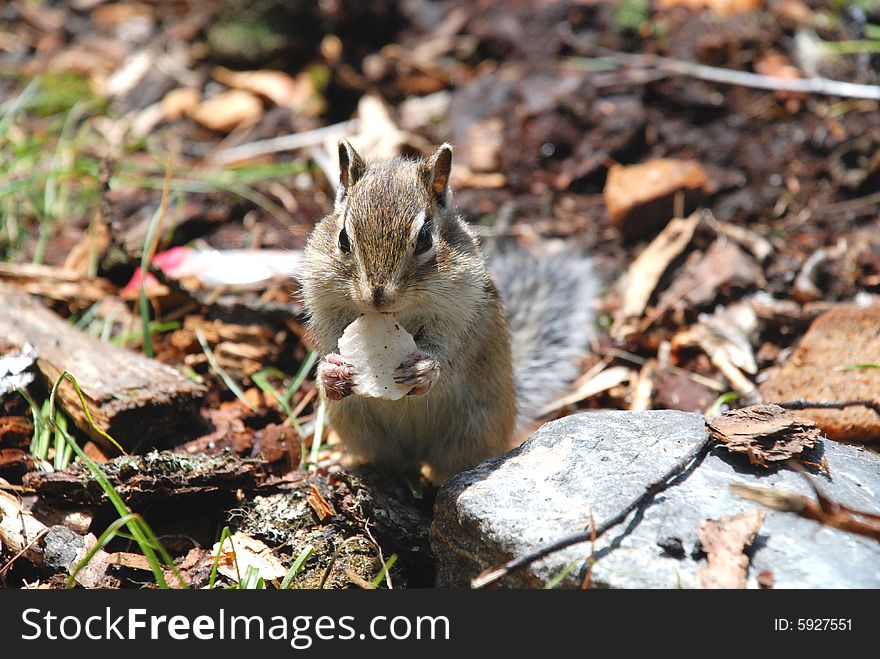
(15, 463)
(229, 432)
(766, 433)
(725, 541)
(645, 272)
(641, 197)
(148, 478)
(832, 363)
(60, 284)
(137, 401)
(240, 349)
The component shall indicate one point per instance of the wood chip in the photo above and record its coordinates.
(725, 541)
(319, 504)
(642, 197)
(130, 560)
(766, 433)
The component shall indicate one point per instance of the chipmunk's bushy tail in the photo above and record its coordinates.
(550, 311)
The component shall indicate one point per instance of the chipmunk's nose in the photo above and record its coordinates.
(378, 296)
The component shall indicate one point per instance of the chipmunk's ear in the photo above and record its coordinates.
(436, 172)
(351, 168)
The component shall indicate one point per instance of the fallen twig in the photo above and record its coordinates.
(817, 85)
(594, 532)
(830, 405)
(284, 143)
(822, 510)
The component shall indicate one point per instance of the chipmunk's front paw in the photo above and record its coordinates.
(420, 371)
(335, 375)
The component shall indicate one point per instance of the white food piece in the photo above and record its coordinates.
(376, 344)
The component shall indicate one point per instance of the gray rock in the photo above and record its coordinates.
(597, 463)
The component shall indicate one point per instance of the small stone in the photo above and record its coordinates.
(672, 547)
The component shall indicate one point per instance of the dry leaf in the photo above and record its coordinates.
(246, 552)
(279, 87)
(724, 337)
(724, 8)
(646, 270)
(378, 136)
(18, 528)
(602, 381)
(228, 111)
(180, 102)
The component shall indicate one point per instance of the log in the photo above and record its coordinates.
(57, 284)
(139, 402)
(142, 481)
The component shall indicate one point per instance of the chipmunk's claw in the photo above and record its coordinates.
(335, 375)
(418, 370)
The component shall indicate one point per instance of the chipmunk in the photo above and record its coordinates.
(487, 360)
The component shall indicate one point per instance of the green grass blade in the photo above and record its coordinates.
(715, 408)
(232, 384)
(143, 535)
(109, 533)
(296, 566)
(261, 379)
(318, 438)
(304, 369)
(388, 565)
(223, 536)
(564, 572)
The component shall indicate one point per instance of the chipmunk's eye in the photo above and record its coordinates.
(424, 241)
(344, 243)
